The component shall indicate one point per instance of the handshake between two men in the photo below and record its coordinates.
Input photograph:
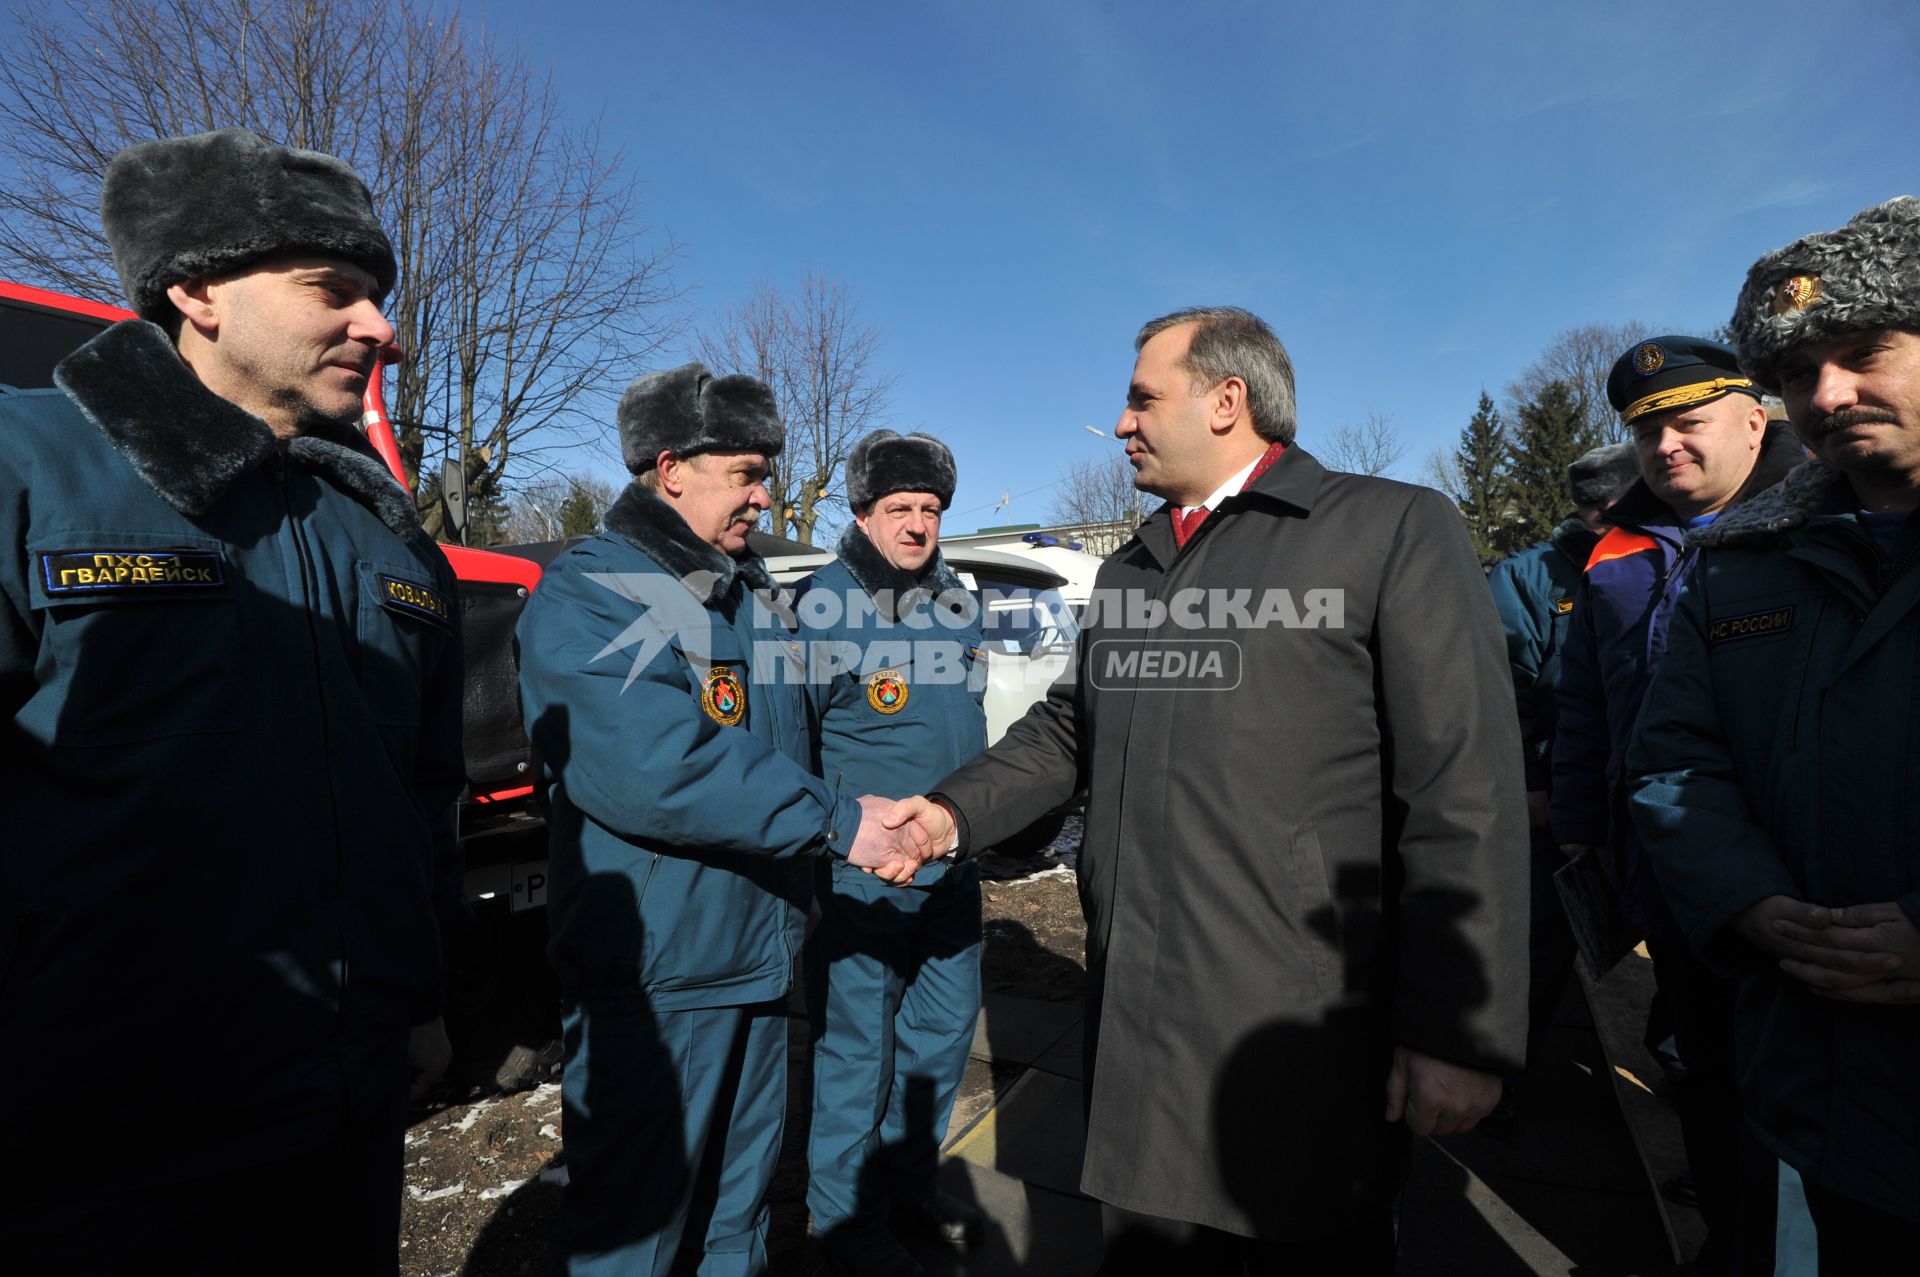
(896, 838)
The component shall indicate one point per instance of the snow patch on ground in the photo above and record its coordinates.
(473, 1115)
(1058, 871)
(423, 1195)
(504, 1190)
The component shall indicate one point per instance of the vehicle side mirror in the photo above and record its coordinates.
(453, 495)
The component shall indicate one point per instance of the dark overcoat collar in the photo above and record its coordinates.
(190, 445)
(1290, 483)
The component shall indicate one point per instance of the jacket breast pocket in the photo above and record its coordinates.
(405, 621)
(138, 642)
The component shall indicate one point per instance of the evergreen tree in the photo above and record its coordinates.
(1549, 434)
(1479, 478)
(580, 513)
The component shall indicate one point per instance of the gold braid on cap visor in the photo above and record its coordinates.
(1680, 396)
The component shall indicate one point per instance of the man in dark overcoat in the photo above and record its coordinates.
(1305, 863)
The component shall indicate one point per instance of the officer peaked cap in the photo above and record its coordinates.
(1664, 373)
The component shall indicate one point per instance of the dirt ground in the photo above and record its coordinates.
(484, 1175)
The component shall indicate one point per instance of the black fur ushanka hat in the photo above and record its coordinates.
(191, 207)
(885, 462)
(688, 410)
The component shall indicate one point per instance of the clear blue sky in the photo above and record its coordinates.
(1416, 195)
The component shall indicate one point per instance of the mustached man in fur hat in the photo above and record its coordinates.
(231, 672)
(1773, 766)
(893, 977)
(664, 691)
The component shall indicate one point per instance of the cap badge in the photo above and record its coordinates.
(1796, 294)
(887, 691)
(724, 697)
(1649, 359)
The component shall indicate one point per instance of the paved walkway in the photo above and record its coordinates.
(1558, 1187)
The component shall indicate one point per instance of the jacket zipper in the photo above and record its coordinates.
(296, 535)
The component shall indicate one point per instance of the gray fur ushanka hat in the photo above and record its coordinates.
(192, 207)
(1598, 475)
(687, 410)
(885, 463)
(1862, 276)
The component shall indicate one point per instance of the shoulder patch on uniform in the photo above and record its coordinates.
(1563, 606)
(82, 573)
(887, 691)
(413, 598)
(1776, 620)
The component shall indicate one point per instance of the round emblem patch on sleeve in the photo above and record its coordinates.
(1649, 359)
(724, 697)
(887, 691)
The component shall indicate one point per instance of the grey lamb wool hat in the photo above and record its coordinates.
(1598, 475)
(688, 410)
(884, 462)
(1862, 276)
(191, 207)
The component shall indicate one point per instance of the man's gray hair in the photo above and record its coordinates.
(1231, 342)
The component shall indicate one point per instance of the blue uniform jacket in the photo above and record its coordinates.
(676, 836)
(895, 689)
(1776, 756)
(230, 683)
(1620, 615)
(1534, 593)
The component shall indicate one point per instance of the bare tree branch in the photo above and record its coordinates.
(1372, 447)
(818, 357)
(1098, 501)
(1581, 357)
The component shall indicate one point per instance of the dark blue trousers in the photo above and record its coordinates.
(673, 1124)
(893, 983)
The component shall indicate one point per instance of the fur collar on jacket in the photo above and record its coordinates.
(190, 445)
(1814, 488)
(893, 588)
(642, 517)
